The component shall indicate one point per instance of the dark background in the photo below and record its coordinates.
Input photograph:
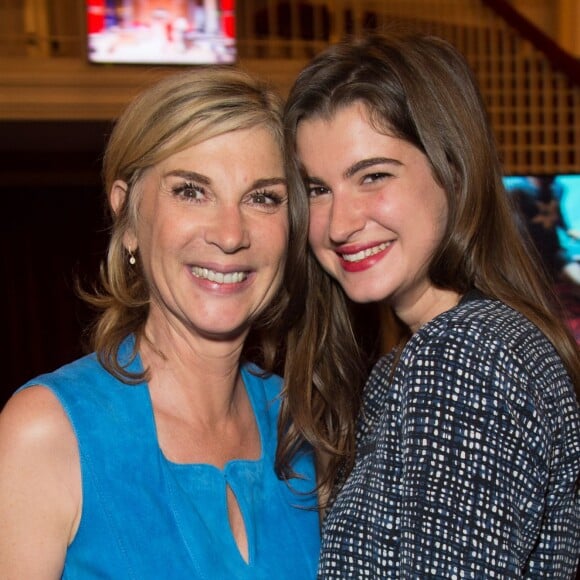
(53, 230)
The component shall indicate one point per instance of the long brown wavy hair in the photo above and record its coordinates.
(420, 89)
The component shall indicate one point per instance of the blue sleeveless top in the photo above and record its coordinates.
(144, 517)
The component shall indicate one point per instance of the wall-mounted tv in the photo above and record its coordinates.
(164, 32)
(549, 209)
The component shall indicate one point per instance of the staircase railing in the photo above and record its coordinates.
(532, 87)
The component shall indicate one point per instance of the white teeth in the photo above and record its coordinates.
(218, 277)
(365, 253)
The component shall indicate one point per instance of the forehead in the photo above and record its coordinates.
(251, 144)
(345, 135)
(351, 117)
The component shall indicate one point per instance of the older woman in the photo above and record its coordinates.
(153, 457)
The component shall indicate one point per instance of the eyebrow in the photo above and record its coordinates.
(204, 180)
(190, 175)
(365, 163)
(356, 167)
(267, 182)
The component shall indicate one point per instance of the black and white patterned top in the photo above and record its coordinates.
(468, 458)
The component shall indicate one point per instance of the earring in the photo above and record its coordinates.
(132, 259)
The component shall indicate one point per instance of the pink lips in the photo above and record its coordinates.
(216, 279)
(365, 263)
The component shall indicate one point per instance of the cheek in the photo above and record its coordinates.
(317, 226)
(165, 235)
(274, 239)
(439, 215)
(431, 225)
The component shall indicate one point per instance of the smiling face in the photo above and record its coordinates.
(376, 213)
(212, 233)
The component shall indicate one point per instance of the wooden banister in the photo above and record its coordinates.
(558, 57)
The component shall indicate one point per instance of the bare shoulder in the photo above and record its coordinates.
(34, 420)
(40, 485)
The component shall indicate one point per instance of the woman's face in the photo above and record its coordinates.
(376, 212)
(212, 232)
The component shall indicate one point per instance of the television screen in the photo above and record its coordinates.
(166, 32)
(549, 209)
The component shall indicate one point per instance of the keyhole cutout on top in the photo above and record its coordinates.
(237, 524)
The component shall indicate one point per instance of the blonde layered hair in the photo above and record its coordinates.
(179, 111)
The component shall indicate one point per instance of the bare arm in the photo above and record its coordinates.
(40, 486)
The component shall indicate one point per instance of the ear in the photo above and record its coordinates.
(117, 195)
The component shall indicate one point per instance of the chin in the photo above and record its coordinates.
(366, 295)
(368, 300)
(225, 334)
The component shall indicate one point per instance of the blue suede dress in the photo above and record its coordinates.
(144, 517)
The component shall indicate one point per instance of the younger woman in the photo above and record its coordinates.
(467, 450)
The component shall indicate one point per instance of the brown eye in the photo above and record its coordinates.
(189, 191)
(374, 177)
(317, 190)
(267, 198)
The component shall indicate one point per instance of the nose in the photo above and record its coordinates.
(346, 217)
(228, 229)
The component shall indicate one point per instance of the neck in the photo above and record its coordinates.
(193, 375)
(424, 308)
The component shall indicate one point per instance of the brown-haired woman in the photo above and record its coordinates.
(462, 459)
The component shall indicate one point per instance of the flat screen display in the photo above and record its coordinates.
(549, 209)
(165, 32)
